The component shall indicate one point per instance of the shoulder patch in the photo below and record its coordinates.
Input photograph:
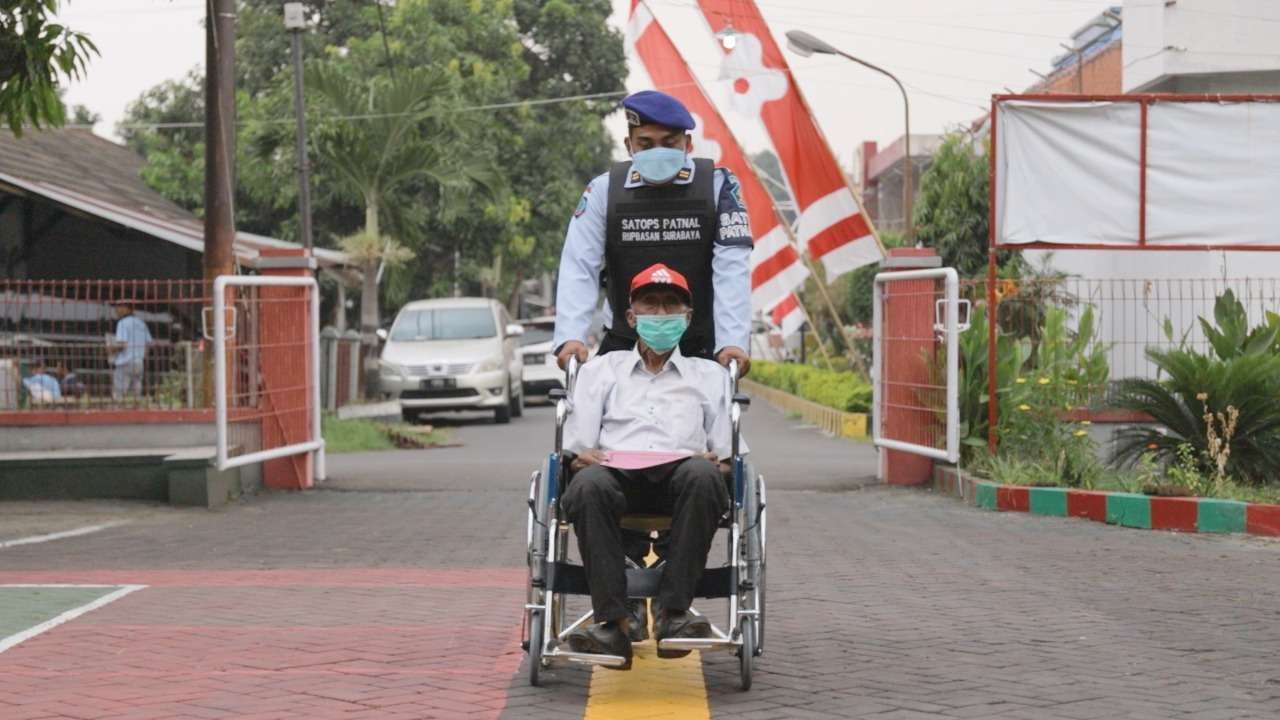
(635, 177)
(582, 203)
(684, 174)
(733, 190)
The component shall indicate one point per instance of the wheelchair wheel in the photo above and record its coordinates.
(747, 655)
(536, 632)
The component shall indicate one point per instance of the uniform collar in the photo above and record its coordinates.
(684, 177)
(675, 360)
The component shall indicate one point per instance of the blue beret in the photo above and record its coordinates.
(652, 107)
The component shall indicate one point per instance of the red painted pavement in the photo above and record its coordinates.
(1087, 504)
(275, 644)
(1174, 513)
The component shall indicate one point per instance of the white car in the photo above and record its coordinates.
(541, 374)
(453, 354)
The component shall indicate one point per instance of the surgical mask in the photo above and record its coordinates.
(658, 165)
(661, 332)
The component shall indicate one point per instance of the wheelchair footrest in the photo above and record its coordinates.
(587, 658)
(711, 643)
(571, 579)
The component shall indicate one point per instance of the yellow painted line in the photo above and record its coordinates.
(654, 688)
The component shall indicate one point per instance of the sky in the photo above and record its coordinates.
(951, 54)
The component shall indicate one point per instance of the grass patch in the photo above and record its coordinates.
(356, 435)
(362, 435)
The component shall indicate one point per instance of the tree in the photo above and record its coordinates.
(380, 153)
(951, 209)
(490, 56)
(34, 52)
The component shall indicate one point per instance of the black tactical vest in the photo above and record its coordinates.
(671, 224)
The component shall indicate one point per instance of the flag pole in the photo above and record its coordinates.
(819, 280)
(822, 346)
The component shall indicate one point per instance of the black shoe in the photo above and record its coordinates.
(602, 639)
(679, 624)
(639, 620)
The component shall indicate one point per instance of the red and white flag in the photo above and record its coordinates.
(788, 315)
(832, 226)
(776, 266)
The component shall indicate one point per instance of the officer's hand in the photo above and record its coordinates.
(587, 458)
(569, 349)
(733, 352)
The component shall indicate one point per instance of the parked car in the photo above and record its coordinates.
(453, 354)
(541, 374)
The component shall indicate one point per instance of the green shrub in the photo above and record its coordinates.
(840, 390)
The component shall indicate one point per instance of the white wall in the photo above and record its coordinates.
(1196, 37)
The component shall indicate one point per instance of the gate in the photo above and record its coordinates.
(915, 363)
(266, 340)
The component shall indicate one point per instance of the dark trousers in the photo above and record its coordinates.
(692, 491)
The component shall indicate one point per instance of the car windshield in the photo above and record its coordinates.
(534, 334)
(444, 324)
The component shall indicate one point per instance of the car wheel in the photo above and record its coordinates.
(517, 402)
(408, 415)
(502, 413)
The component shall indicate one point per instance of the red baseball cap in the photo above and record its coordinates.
(660, 274)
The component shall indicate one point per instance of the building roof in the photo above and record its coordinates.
(890, 158)
(79, 170)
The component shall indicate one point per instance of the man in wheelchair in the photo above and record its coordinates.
(666, 414)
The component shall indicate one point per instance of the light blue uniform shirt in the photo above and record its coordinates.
(578, 288)
(132, 333)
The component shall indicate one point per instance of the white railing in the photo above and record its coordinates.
(315, 444)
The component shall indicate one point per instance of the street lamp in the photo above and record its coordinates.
(295, 21)
(806, 45)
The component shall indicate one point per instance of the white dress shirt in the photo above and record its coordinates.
(619, 405)
(582, 258)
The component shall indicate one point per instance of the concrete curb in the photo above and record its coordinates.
(1182, 514)
(832, 421)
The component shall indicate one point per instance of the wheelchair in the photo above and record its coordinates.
(552, 578)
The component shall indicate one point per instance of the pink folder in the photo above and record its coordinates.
(640, 459)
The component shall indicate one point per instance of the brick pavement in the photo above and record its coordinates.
(883, 604)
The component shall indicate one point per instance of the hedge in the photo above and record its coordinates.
(840, 390)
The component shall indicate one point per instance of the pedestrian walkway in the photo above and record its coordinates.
(396, 592)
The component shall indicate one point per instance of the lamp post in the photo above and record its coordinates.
(295, 21)
(806, 45)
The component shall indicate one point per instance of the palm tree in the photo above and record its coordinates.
(388, 135)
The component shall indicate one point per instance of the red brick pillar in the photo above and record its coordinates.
(284, 339)
(908, 319)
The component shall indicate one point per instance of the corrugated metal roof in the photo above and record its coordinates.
(79, 170)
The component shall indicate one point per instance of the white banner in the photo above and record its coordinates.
(1070, 173)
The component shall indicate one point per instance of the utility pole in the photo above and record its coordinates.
(295, 21)
(219, 152)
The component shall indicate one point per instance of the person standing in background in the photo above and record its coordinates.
(128, 351)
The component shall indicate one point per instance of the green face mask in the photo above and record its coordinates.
(661, 332)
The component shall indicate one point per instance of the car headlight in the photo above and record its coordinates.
(390, 369)
(488, 366)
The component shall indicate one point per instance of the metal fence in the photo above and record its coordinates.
(101, 344)
(1130, 315)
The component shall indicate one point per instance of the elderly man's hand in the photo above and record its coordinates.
(587, 458)
(732, 352)
(568, 350)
